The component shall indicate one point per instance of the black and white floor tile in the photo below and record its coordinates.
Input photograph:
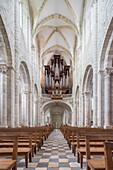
(54, 155)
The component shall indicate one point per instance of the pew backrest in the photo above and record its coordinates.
(108, 149)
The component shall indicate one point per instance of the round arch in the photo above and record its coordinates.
(105, 79)
(106, 44)
(6, 104)
(4, 41)
(87, 76)
(59, 102)
(87, 91)
(52, 113)
(24, 95)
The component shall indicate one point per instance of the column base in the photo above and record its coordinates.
(3, 126)
(107, 126)
(94, 126)
(99, 126)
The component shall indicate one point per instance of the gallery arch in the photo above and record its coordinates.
(24, 96)
(5, 74)
(88, 96)
(105, 81)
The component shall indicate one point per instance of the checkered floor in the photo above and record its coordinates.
(54, 155)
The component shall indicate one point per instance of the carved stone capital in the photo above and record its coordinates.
(82, 94)
(37, 101)
(108, 71)
(101, 72)
(88, 94)
(27, 92)
(3, 68)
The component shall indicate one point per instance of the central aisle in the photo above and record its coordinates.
(54, 155)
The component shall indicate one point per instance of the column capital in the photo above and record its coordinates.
(36, 101)
(27, 92)
(3, 68)
(11, 68)
(100, 72)
(108, 71)
(87, 93)
(82, 94)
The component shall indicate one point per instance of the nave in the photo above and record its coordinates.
(53, 155)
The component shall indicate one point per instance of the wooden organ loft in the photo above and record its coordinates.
(57, 78)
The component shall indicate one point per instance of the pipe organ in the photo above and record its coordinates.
(57, 77)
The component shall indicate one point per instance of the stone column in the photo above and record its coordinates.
(100, 98)
(87, 109)
(21, 108)
(94, 100)
(33, 99)
(82, 110)
(17, 99)
(30, 117)
(24, 108)
(36, 112)
(16, 60)
(73, 119)
(12, 97)
(108, 72)
(3, 97)
(77, 112)
(39, 111)
(27, 110)
(73, 112)
(43, 121)
(66, 119)
(95, 58)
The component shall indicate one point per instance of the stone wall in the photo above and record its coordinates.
(21, 51)
(92, 45)
(96, 21)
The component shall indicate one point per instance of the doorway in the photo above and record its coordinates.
(57, 120)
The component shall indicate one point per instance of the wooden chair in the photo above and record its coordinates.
(108, 146)
(8, 164)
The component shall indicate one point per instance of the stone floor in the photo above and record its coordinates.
(54, 155)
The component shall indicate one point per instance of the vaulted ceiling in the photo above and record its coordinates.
(56, 26)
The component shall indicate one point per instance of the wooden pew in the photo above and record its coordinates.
(42, 132)
(96, 163)
(8, 163)
(108, 150)
(81, 148)
(70, 134)
(22, 151)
